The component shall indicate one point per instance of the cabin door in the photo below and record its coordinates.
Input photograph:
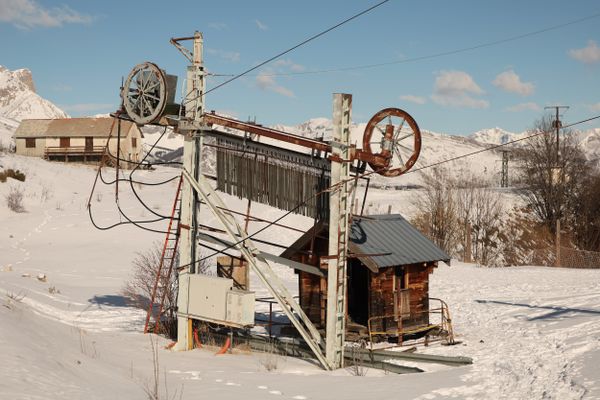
(89, 144)
(401, 295)
(358, 292)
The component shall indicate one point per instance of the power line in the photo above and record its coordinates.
(431, 56)
(293, 48)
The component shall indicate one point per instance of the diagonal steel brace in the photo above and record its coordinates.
(261, 267)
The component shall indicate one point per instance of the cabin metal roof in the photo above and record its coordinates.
(71, 127)
(389, 240)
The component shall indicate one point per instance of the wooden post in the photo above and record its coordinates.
(389, 209)
(468, 244)
(557, 244)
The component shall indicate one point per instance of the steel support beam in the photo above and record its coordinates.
(192, 148)
(339, 204)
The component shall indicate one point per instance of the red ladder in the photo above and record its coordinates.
(168, 256)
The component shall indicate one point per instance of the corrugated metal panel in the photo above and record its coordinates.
(391, 233)
(70, 127)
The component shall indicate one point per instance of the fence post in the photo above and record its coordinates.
(557, 244)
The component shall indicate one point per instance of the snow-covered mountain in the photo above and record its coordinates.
(495, 136)
(18, 101)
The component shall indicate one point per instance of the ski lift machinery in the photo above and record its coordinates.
(390, 146)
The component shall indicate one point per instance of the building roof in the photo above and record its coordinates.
(392, 236)
(71, 127)
(386, 240)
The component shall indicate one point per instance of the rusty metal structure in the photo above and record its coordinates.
(319, 182)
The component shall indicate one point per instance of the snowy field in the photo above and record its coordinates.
(533, 332)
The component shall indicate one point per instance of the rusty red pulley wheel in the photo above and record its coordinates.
(394, 136)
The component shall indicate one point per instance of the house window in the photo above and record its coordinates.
(133, 142)
(30, 143)
(65, 142)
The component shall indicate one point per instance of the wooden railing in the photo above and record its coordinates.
(74, 150)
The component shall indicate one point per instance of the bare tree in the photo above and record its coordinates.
(552, 179)
(585, 224)
(481, 211)
(438, 211)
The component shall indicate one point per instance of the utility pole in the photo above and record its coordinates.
(192, 149)
(504, 177)
(557, 124)
(340, 205)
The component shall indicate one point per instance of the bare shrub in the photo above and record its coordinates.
(357, 368)
(138, 289)
(46, 193)
(152, 386)
(11, 173)
(269, 359)
(14, 199)
(12, 299)
(528, 241)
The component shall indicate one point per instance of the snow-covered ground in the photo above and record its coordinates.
(533, 332)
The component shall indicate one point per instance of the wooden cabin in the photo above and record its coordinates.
(388, 275)
(78, 139)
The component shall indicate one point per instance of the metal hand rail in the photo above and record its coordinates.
(445, 323)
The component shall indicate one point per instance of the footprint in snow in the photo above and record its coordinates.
(218, 380)
(275, 392)
(232, 384)
(299, 397)
(262, 387)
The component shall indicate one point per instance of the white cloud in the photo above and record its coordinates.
(28, 14)
(457, 89)
(88, 107)
(268, 82)
(587, 55)
(509, 81)
(260, 25)
(289, 64)
(413, 99)
(524, 107)
(232, 56)
(594, 107)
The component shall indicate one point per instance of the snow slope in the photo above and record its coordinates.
(533, 332)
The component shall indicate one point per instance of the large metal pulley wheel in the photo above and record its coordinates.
(393, 136)
(145, 93)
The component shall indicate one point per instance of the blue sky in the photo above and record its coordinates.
(79, 50)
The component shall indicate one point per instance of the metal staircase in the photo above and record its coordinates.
(167, 260)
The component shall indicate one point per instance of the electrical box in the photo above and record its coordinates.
(213, 299)
(240, 307)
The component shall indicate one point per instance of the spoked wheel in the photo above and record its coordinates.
(393, 135)
(145, 93)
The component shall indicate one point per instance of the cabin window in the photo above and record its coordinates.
(133, 142)
(30, 143)
(65, 142)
